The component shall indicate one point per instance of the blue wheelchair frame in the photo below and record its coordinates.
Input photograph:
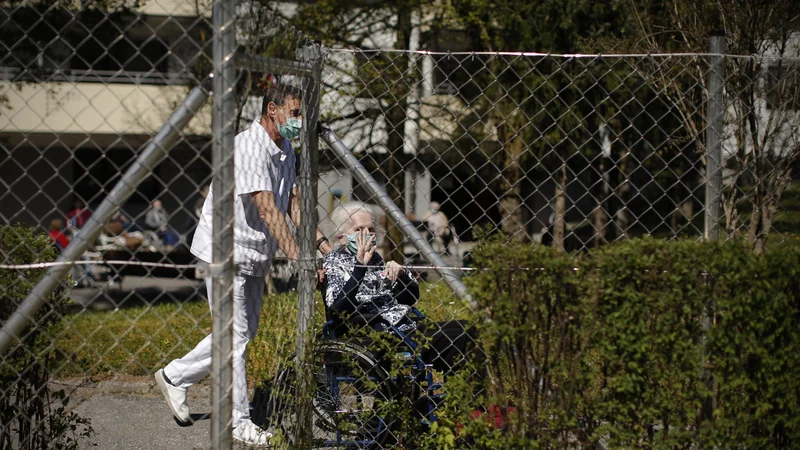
(421, 373)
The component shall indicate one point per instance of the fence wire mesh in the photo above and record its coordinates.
(569, 151)
(85, 88)
(574, 152)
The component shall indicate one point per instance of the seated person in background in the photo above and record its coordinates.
(156, 220)
(123, 220)
(438, 226)
(358, 285)
(57, 234)
(78, 215)
(115, 237)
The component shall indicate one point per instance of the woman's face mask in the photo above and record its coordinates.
(351, 242)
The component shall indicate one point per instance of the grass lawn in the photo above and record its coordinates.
(137, 341)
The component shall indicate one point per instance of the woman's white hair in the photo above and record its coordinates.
(341, 216)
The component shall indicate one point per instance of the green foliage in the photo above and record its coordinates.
(754, 350)
(611, 349)
(33, 416)
(140, 340)
(133, 340)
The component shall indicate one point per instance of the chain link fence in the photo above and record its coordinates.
(443, 150)
(109, 146)
(573, 151)
(85, 87)
(569, 151)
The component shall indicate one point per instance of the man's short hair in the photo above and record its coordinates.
(278, 93)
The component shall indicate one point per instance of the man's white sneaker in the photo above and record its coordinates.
(251, 434)
(175, 397)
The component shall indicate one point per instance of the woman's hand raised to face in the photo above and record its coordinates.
(366, 246)
(392, 270)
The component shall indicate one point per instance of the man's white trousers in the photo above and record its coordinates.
(247, 297)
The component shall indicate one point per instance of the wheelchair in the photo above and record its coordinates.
(359, 397)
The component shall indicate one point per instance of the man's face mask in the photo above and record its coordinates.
(351, 242)
(291, 129)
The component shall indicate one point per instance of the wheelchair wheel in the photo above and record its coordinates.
(351, 400)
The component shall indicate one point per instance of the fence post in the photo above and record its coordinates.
(714, 119)
(222, 268)
(307, 178)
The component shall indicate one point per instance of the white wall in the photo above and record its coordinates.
(781, 123)
(95, 108)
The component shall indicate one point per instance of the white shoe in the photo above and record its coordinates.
(175, 397)
(250, 434)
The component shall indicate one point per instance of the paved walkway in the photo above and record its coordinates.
(128, 415)
(135, 422)
(132, 415)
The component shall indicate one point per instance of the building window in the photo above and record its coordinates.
(126, 55)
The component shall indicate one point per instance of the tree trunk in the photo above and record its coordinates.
(673, 218)
(775, 185)
(621, 220)
(600, 222)
(395, 119)
(560, 208)
(600, 210)
(511, 210)
(510, 206)
(395, 128)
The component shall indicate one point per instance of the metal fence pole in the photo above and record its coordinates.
(307, 277)
(222, 267)
(149, 158)
(409, 230)
(714, 112)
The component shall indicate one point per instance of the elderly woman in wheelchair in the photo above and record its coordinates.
(361, 290)
(357, 390)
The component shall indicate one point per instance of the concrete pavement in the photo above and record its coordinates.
(132, 414)
(125, 422)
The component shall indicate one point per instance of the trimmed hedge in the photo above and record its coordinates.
(31, 415)
(609, 350)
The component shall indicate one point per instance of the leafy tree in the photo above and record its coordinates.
(545, 109)
(541, 111)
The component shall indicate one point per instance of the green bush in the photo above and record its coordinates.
(33, 416)
(610, 349)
